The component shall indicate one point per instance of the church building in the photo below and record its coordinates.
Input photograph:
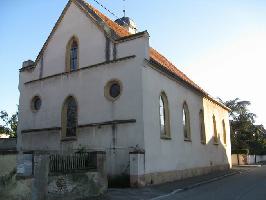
(97, 84)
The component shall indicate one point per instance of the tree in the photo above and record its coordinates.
(244, 133)
(9, 124)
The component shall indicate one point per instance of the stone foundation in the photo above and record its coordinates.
(169, 176)
(76, 186)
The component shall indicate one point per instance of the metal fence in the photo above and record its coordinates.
(73, 163)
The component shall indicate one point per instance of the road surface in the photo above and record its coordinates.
(248, 185)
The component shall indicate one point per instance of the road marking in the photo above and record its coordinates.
(194, 185)
(167, 195)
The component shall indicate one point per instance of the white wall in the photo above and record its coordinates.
(224, 149)
(177, 154)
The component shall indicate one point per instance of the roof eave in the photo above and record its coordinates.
(203, 93)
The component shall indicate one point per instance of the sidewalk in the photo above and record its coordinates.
(155, 191)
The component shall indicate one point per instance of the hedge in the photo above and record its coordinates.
(240, 151)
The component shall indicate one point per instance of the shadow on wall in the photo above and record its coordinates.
(219, 156)
(217, 160)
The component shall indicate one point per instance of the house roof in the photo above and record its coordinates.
(154, 55)
(121, 32)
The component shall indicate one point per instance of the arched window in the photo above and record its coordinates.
(215, 134)
(224, 131)
(202, 127)
(164, 116)
(72, 54)
(186, 122)
(69, 117)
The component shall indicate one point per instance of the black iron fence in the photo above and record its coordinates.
(73, 163)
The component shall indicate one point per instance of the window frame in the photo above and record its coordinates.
(202, 127)
(107, 88)
(224, 132)
(64, 119)
(215, 132)
(166, 134)
(69, 60)
(186, 122)
(33, 103)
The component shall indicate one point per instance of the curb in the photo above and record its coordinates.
(195, 185)
(247, 166)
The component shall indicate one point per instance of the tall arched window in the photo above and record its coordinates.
(215, 134)
(186, 122)
(224, 131)
(69, 117)
(202, 127)
(72, 54)
(164, 116)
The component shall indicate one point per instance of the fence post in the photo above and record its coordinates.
(101, 162)
(137, 169)
(40, 180)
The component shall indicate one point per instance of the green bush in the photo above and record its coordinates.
(240, 151)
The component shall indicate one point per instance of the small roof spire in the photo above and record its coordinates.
(124, 5)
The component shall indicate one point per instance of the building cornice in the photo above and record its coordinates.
(157, 66)
(81, 69)
(132, 36)
(105, 123)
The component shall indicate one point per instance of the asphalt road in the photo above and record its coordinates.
(248, 185)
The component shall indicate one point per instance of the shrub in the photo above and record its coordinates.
(240, 151)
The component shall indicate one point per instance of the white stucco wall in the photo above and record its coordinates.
(91, 42)
(210, 109)
(176, 154)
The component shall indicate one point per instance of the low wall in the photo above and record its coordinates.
(7, 163)
(243, 159)
(76, 186)
(260, 158)
(62, 176)
(7, 160)
(239, 159)
(7, 155)
(8, 144)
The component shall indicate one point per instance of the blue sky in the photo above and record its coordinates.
(221, 45)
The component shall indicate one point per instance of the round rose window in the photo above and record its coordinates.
(36, 103)
(112, 90)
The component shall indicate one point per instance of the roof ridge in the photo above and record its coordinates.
(120, 30)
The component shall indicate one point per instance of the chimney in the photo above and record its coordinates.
(128, 24)
(27, 63)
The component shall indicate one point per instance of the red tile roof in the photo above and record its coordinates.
(155, 55)
(119, 30)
